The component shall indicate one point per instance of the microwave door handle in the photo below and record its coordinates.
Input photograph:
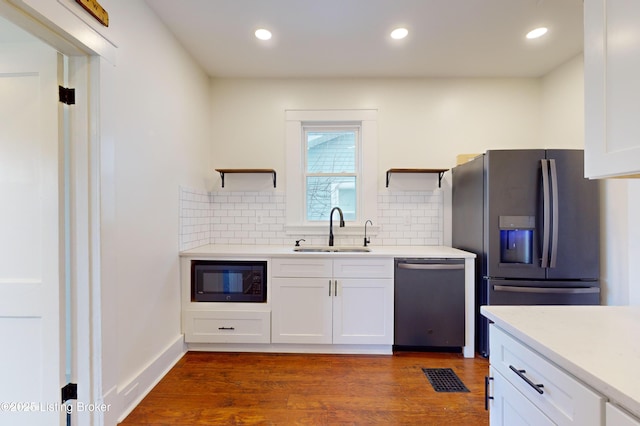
(554, 216)
(545, 214)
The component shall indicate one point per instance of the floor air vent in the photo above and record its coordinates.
(444, 380)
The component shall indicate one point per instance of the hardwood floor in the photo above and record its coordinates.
(206, 388)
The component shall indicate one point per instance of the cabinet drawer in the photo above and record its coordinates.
(362, 268)
(227, 327)
(563, 399)
(509, 407)
(301, 267)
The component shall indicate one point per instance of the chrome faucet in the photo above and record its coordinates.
(331, 223)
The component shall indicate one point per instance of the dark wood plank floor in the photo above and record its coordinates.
(207, 388)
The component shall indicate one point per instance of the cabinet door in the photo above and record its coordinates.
(301, 310)
(510, 408)
(363, 311)
(612, 87)
(617, 417)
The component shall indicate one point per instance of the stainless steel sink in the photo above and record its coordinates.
(334, 249)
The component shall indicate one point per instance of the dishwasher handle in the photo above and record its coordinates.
(430, 266)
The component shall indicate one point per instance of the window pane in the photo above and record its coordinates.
(326, 192)
(331, 151)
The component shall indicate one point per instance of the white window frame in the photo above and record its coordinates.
(357, 173)
(294, 143)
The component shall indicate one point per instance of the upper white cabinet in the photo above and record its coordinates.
(612, 87)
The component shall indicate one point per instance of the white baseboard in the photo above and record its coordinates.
(292, 348)
(126, 397)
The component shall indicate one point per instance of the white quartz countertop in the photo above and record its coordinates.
(280, 251)
(600, 345)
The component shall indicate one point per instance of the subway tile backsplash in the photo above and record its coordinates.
(258, 218)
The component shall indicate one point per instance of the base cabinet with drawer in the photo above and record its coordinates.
(332, 301)
(527, 389)
(218, 326)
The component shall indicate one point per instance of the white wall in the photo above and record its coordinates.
(562, 106)
(562, 112)
(155, 107)
(149, 105)
(421, 122)
(426, 123)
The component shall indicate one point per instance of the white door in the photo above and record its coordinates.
(30, 271)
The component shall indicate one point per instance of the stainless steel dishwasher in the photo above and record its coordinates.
(429, 303)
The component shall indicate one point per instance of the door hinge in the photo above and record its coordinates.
(69, 391)
(67, 96)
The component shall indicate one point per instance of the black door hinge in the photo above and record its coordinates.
(67, 96)
(69, 391)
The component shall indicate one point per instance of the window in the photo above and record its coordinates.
(331, 160)
(331, 173)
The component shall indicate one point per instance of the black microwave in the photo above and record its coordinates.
(228, 281)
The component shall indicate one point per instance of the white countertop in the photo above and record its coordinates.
(600, 345)
(280, 251)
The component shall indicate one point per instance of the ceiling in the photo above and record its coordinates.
(350, 38)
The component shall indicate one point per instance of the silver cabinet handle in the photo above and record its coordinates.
(329, 288)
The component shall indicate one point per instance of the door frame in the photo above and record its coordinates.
(84, 135)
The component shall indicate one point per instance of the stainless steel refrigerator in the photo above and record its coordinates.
(533, 221)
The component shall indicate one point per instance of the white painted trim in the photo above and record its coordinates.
(81, 221)
(331, 115)
(59, 17)
(131, 394)
(294, 162)
(293, 348)
(84, 126)
(110, 416)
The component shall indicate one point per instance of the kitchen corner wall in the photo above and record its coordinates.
(258, 218)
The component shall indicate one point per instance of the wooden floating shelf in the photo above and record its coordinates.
(439, 172)
(225, 171)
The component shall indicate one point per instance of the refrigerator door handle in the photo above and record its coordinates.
(555, 290)
(546, 215)
(554, 216)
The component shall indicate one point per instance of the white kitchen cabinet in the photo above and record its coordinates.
(612, 87)
(618, 417)
(510, 407)
(519, 372)
(222, 322)
(206, 326)
(301, 310)
(332, 301)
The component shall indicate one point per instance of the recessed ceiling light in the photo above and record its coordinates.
(399, 33)
(538, 32)
(263, 34)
